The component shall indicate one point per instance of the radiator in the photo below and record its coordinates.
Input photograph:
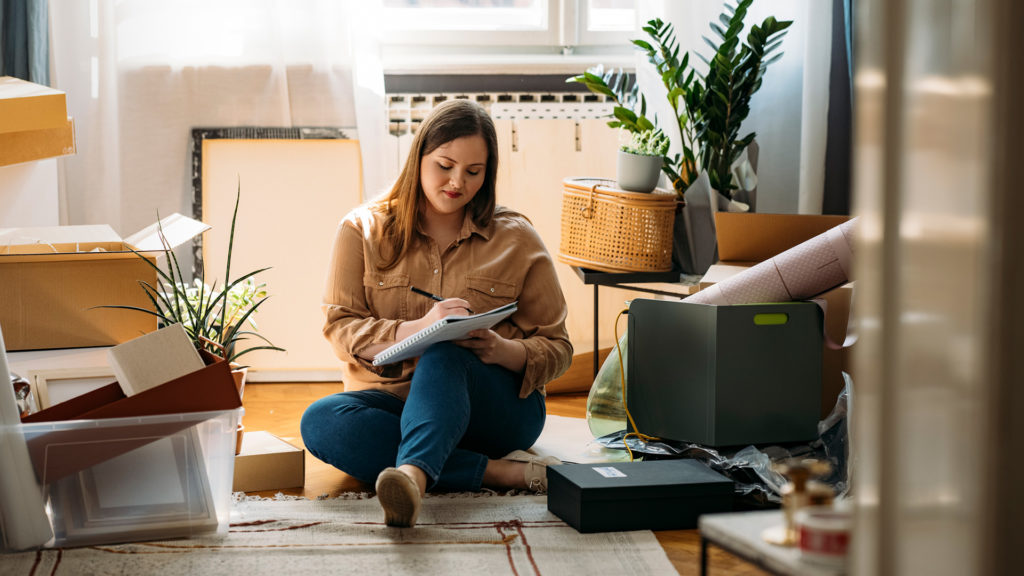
(407, 111)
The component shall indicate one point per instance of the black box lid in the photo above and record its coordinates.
(651, 479)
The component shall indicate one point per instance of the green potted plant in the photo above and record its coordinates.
(638, 167)
(708, 110)
(216, 319)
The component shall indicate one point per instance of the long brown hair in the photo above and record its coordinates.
(448, 121)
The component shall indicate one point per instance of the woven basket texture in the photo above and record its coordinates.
(609, 229)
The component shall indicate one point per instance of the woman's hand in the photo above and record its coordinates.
(446, 307)
(493, 349)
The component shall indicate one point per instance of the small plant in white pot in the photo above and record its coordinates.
(639, 163)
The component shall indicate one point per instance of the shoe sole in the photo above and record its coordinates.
(399, 497)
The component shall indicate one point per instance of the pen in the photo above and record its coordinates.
(431, 296)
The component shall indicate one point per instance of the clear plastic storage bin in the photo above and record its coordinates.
(129, 479)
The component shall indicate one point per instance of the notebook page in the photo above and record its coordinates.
(448, 328)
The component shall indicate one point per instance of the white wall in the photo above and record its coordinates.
(28, 194)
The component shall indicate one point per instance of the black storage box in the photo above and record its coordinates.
(725, 375)
(654, 495)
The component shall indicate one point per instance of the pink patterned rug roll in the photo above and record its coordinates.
(803, 271)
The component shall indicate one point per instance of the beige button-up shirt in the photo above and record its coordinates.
(487, 267)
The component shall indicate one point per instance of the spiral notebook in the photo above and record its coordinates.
(448, 328)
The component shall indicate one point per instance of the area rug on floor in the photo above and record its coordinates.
(464, 534)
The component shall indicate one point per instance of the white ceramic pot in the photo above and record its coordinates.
(638, 173)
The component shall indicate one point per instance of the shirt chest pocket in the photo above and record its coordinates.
(485, 293)
(387, 295)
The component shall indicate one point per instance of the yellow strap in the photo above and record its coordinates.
(622, 379)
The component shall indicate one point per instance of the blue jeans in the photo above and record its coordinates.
(459, 413)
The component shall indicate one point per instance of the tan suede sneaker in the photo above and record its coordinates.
(399, 496)
(536, 473)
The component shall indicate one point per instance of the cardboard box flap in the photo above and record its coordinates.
(96, 233)
(177, 229)
(755, 237)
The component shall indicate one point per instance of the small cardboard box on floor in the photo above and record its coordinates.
(53, 278)
(267, 462)
(745, 239)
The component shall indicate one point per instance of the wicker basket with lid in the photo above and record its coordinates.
(612, 230)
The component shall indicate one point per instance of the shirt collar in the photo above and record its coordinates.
(469, 227)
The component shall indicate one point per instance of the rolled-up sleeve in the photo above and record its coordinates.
(350, 325)
(541, 318)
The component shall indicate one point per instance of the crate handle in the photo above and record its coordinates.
(771, 319)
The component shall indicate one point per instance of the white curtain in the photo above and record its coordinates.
(789, 113)
(141, 74)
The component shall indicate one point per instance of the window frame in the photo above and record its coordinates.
(566, 30)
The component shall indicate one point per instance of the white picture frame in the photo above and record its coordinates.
(55, 385)
(160, 490)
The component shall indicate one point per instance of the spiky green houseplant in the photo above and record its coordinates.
(709, 108)
(217, 320)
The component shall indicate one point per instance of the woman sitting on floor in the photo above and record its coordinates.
(445, 420)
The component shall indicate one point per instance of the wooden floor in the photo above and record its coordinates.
(277, 408)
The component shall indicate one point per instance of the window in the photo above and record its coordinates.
(558, 24)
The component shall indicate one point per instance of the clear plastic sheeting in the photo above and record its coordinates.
(757, 484)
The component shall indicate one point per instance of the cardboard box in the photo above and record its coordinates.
(18, 147)
(725, 375)
(53, 278)
(34, 123)
(268, 463)
(28, 106)
(748, 238)
(655, 495)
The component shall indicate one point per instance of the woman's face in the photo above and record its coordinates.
(453, 173)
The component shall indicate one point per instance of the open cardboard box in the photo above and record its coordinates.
(34, 123)
(53, 278)
(267, 462)
(744, 239)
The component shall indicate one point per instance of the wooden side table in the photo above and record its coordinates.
(740, 534)
(661, 283)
